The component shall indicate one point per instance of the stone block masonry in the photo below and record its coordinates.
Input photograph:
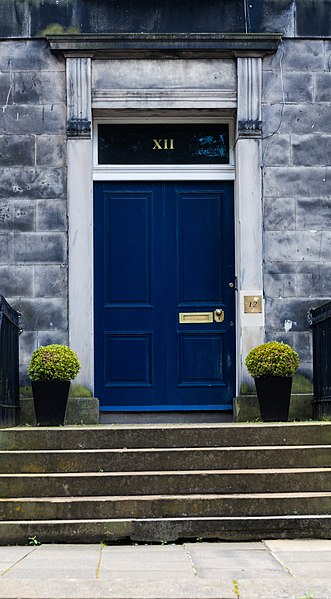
(296, 189)
(33, 209)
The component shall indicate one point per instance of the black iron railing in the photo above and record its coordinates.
(9, 373)
(320, 320)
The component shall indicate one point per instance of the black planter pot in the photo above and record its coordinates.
(274, 394)
(50, 401)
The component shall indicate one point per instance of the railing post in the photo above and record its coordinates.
(9, 364)
(320, 320)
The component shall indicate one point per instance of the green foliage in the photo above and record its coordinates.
(302, 384)
(272, 359)
(57, 29)
(53, 362)
(34, 541)
(26, 391)
(77, 390)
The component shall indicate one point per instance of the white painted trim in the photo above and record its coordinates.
(248, 197)
(82, 168)
(163, 173)
(80, 219)
(143, 172)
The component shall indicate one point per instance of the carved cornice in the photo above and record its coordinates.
(191, 45)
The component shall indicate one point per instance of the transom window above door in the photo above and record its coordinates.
(164, 144)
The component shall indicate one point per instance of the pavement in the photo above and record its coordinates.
(277, 569)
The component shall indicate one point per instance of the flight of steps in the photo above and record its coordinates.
(165, 482)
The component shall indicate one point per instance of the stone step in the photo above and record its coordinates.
(165, 506)
(134, 460)
(167, 482)
(162, 435)
(166, 529)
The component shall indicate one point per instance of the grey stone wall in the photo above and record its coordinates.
(296, 189)
(33, 218)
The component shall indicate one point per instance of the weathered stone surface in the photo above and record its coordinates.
(28, 55)
(5, 89)
(309, 150)
(28, 343)
(327, 56)
(183, 74)
(48, 337)
(17, 215)
(16, 280)
(50, 281)
(42, 314)
(323, 87)
(284, 314)
(6, 248)
(294, 246)
(290, 17)
(302, 119)
(312, 279)
(314, 214)
(313, 18)
(33, 183)
(51, 215)
(310, 284)
(37, 120)
(280, 285)
(273, 16)
(299, 182)
(279, 214)
(36, 87)
(297, 87)
(276, 150)
(40, 247)
(17, 150)
(297, 55)
(51, 150)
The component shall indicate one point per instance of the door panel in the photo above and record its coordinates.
(162, 249)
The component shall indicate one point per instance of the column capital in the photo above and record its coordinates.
(249, 75)
(79, 112)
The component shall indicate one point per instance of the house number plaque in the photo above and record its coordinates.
(253, 304)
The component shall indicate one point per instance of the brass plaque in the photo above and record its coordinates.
(195, 317)
(253, 304)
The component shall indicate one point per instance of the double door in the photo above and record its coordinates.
(164, 311)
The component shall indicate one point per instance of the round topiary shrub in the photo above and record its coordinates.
(53, 362)
(274, 358)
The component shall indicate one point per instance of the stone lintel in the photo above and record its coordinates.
(189, 45)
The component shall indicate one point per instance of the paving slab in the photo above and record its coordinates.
(12, 554)
(54, 589)
(296, 545)
(304, 556)
(262, 570)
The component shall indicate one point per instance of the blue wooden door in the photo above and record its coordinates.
(164, 257)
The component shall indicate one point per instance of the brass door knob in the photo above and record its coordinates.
(218, 315)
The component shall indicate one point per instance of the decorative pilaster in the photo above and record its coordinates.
(249, 73)
(249, 206)
(80, 208)
(79, 112)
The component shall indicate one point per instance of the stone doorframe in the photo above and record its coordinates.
(248, 51)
